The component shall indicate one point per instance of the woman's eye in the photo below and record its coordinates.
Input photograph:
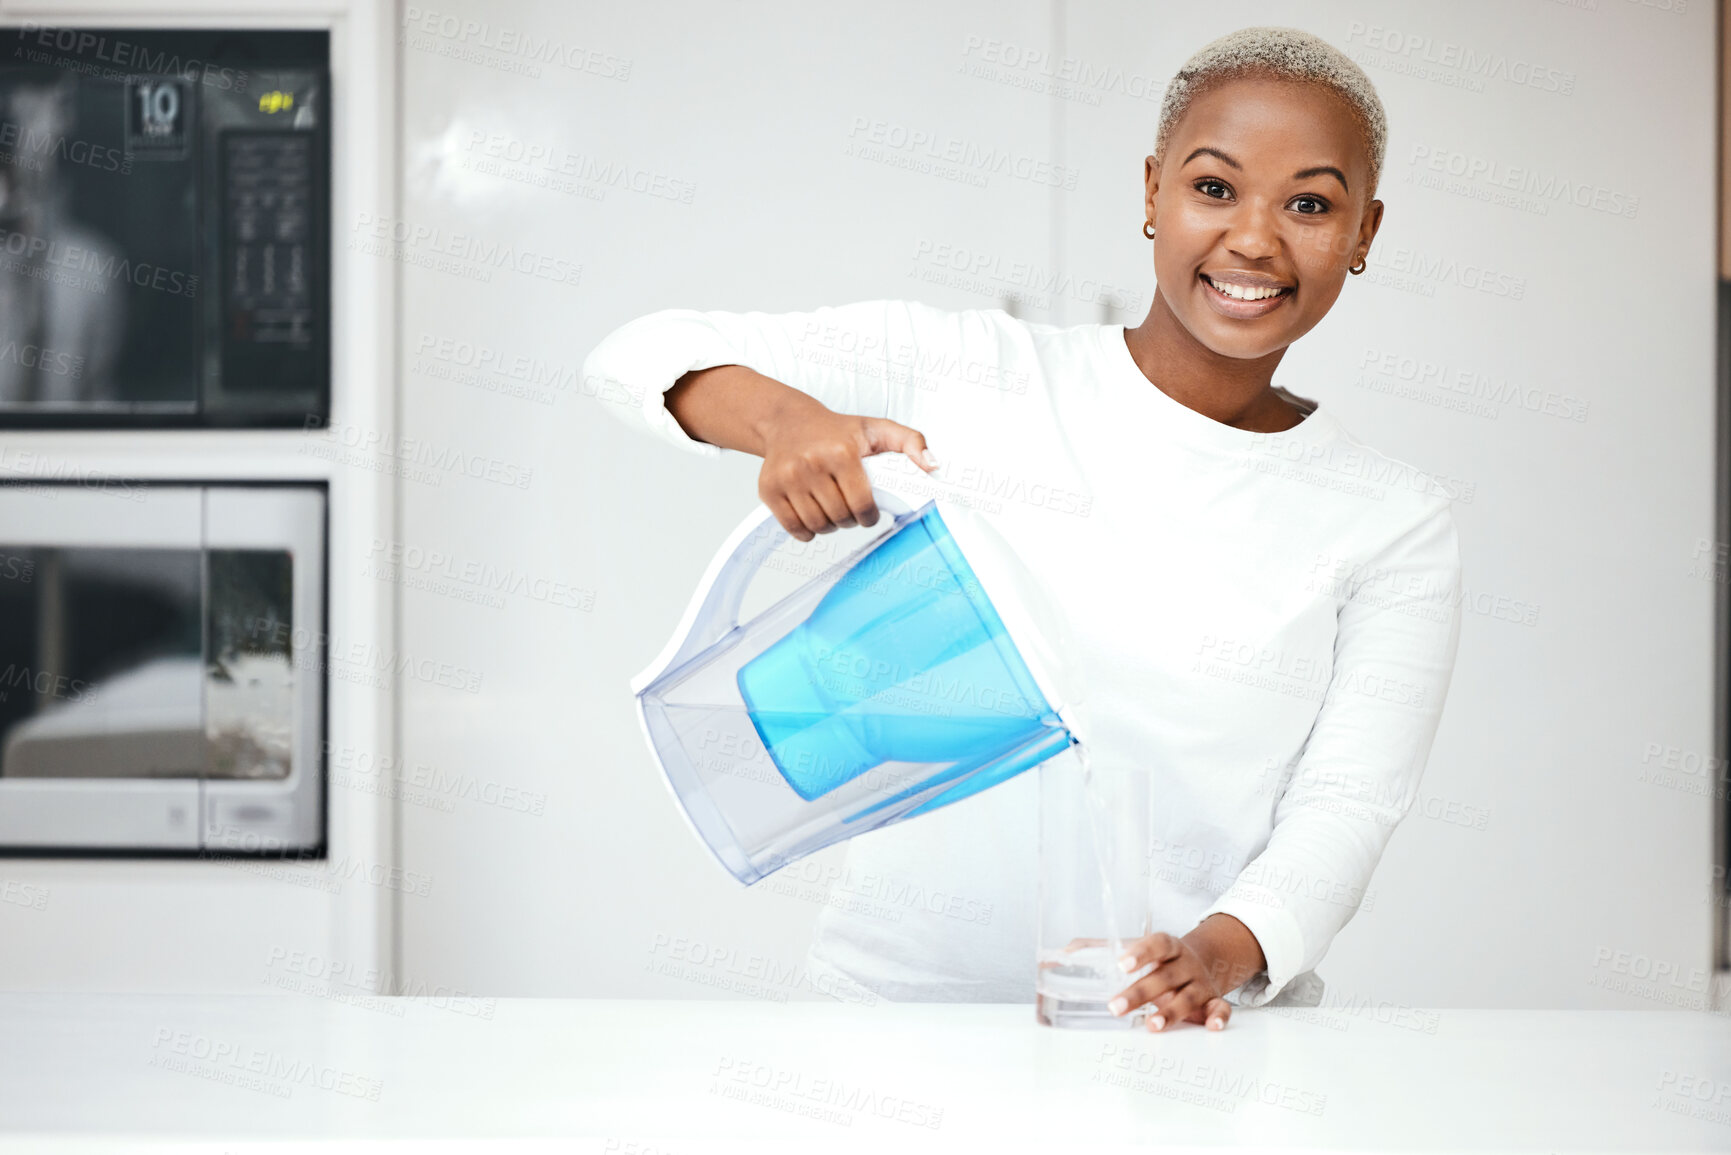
(1203, 186)
(1322, 205)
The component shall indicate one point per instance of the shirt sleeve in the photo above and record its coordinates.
(852, 358)
(1359, 771)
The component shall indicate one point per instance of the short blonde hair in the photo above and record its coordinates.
(1285, 54)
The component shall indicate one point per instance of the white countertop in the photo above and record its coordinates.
(105, 1072)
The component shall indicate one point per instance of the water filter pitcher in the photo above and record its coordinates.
(895, 679)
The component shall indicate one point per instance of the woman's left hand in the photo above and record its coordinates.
(1190, 978)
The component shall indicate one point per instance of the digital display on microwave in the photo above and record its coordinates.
(164, 227)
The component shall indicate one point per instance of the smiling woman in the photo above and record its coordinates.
(1260, 198)
(1268, 628)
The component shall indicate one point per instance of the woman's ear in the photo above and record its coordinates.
(1150, 186)
(1371, 223)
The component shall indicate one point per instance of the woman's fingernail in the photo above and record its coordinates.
(1159, 1022)
(1127, 963)
(931, 462)
(1117, 1006)
(1216, 1024)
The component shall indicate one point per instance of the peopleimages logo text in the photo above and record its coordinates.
(126, 56)
(107, 265)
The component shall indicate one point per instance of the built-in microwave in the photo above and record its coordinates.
(162, 678)
(164, 227)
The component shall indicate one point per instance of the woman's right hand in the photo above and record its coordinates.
(813, 477)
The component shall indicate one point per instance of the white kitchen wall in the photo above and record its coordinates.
(1549, 355)
(738, 123)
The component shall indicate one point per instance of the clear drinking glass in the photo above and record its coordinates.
(1095, 896)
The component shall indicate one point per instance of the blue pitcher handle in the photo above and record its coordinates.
(715, 613)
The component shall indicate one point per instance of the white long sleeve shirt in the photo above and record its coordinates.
(1268, 622)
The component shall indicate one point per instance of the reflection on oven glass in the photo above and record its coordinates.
(100, 663)
(103, 666)
(249, 681)
(69, 314)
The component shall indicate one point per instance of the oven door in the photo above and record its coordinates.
(161, 667)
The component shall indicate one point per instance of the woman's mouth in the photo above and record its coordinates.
(1241, 308)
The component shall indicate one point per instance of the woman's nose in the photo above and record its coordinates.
(1252, 232)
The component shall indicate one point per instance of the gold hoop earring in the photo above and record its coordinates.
(1356, 269)
(1148, 229)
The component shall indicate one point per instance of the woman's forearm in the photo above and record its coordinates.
(733, 407)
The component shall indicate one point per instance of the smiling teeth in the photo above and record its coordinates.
(1239, 292)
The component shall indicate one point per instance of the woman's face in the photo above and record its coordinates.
(1265, 185)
